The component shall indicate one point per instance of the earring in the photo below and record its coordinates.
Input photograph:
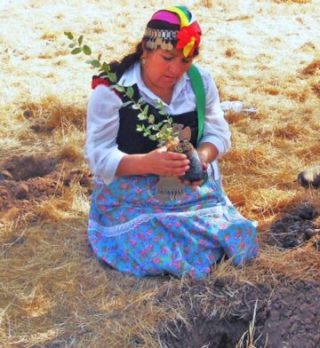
(143, 61)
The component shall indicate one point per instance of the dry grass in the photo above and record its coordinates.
(53, 291)
(293, 1)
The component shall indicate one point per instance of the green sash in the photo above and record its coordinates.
(198, 89)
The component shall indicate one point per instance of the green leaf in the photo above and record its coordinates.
(146, 109)
(130, 92)
(105, 67)
(151, 119)
(76, 50)
(159, 104)
(142, 116)
(69, 35)
(95, 63)
(80, 40)
(127, 103)
(112, 77)
(86, 50)
(118, 88)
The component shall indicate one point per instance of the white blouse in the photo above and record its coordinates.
(101, 149)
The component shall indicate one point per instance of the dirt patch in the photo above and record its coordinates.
(293, 317)
(296, 227)
(23, 168)
(27, 180)
(83, 177)
(219, 317)
(215, 317)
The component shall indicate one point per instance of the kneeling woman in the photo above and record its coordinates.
(133, 226)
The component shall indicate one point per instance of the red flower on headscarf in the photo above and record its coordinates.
(189, 39)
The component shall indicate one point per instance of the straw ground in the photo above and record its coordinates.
(53, 292)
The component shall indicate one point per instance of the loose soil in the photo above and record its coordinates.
(296, 227)
(287, 315)
(27, 180)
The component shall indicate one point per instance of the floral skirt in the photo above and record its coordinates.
(134, 231)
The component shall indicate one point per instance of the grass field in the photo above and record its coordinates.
(53, 292)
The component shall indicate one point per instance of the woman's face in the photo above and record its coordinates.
(163, 69)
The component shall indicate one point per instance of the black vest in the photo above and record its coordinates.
(131, 141)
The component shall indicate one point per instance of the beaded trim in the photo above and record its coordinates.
(160, 38)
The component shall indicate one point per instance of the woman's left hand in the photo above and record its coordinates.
(207, 153)
(196, 184)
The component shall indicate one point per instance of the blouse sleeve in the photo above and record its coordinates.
(216, 128)
(101, 149)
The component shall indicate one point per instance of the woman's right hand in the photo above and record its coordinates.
(166, 163)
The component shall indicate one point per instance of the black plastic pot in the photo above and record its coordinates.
(196, 171)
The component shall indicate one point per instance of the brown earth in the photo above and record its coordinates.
(296, 227)
(287, 315)
(28, 180)
(222, 314)
(53, 292)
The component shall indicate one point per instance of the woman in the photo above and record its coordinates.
(131, 226)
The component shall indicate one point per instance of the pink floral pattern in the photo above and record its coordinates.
(181, 237)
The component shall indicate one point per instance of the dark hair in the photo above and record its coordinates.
(119, 67)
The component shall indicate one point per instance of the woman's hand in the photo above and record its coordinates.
(207, 153)
(195, 184)
(165, 163)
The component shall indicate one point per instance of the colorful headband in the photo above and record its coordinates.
(185, 36)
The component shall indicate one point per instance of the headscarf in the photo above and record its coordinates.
(173, 27)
